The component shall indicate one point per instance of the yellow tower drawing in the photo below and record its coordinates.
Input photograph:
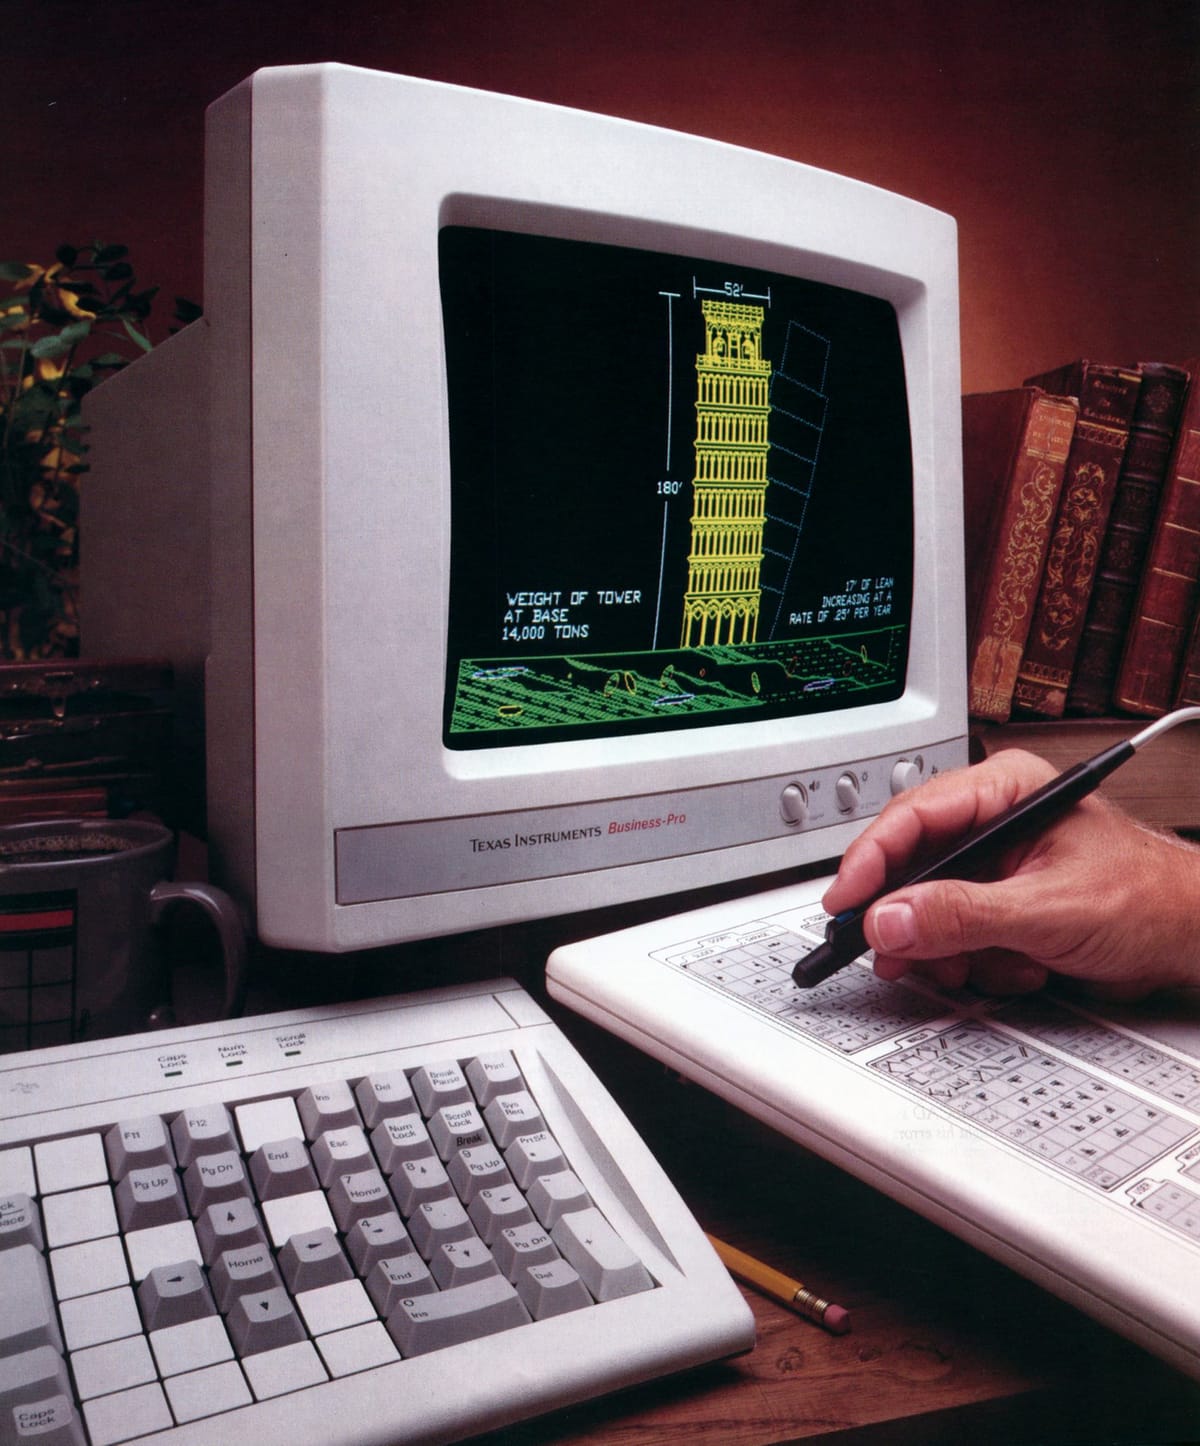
(730, 484)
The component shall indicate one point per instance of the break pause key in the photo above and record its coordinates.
(605, 1263)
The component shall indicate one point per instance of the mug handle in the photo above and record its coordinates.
(224, 914)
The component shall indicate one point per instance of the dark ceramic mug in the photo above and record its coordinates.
(82, 904)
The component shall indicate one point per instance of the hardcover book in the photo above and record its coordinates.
(1107, 396)
(1170, 584)
(1015, 446)
(1123, 555)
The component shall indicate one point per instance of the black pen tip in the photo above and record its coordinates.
(816, 967)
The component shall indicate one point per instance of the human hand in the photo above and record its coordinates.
(1096, 897)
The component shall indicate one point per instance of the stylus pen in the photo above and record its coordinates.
(782, 1288)
(844, 936)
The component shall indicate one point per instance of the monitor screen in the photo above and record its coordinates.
(681, 492)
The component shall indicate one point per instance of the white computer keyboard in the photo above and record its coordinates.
(410, 1219)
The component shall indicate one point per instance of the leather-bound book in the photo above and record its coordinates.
(1170, 585)
(1015, 446)
(1123, 555)
(1188, 692)
(1106, 395)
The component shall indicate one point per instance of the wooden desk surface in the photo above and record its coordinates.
(946, 1345)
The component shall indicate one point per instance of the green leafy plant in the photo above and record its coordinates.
(63, 328)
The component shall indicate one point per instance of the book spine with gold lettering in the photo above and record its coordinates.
(1106, 396)
(1170, 586)
(1126, 542)
(1015, 446)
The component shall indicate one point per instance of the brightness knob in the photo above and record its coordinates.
(847, 792)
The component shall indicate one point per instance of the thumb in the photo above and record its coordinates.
(945, 918)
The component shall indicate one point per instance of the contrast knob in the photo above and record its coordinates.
(906, 774)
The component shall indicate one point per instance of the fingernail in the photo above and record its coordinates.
(895, 927)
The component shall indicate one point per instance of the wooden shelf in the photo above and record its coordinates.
(1160, 784)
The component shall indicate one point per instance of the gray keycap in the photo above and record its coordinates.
(311, 1258)
(262, 1321)
(282, 1168)
(172, 1294)
(429, 1322)
(27, 1317)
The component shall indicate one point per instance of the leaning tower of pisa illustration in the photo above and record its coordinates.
(721, 605)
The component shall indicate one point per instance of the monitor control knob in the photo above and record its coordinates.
(906, 774)
(793, 804)
(847, 792)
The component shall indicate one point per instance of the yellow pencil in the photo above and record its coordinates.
(782, 1288)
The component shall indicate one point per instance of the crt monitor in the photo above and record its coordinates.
(548, 510)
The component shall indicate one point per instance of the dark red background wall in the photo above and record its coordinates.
(1065, 137)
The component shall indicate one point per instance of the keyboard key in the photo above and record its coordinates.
(520, 1246)
(327, 1107)
(482, 1168)
(202, 1130)
(263, 1321)
(384, 1096)
(313, 1259)
(50, 1422)
(266, 1120)
(552, 1289)
(511, 1115)
(418, 1181)
(191, 1345)
(289, 1368)
(77, 1215)
(236, 1225)
(172, 1294)
(20, 1222)
(375, 1237)
(358, 1349)
(71, 1163)
(402, 1138)
(161, 1245)
(494, 1074)
(551, 1196)
(429, 1322)
(27, 1317)
(353, 1196)
(208, 1392)
(437, 1085)
(457, 1127)
(532, 1155)
(114, 1366)
(494, 1210)
(31, 1375)
(341, 1152)
(296, 1214)
(461, 1261)
(150, 1196)
(393, 1280)
(250, 1270)
(137, 1145)
(334, 1307)
(125, 1415)
(215, 1179)
(437, 1222)
(89, 1320)
(17, 1176)
(282, 1168)
(607, 1265)
(94, 1265)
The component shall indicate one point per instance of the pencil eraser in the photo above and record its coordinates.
(836, 1319)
